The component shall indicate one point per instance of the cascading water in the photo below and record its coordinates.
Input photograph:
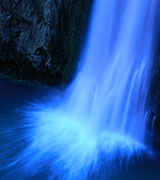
(112, 85)
(103, 111)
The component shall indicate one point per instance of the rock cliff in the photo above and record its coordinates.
(40, 39)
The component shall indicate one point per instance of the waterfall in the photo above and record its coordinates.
(112, 83)
(102, 115)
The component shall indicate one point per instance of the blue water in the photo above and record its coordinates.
(15, 96)
(112, 84)
(95, 129)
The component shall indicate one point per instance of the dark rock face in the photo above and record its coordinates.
(154, 94)
(154, 99)
(40, 39)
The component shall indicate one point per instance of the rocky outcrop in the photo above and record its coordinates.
(40, 40)
(154, 99)
(154, 94)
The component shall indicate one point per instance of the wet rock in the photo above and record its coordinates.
(40, 40)
(154, 93)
